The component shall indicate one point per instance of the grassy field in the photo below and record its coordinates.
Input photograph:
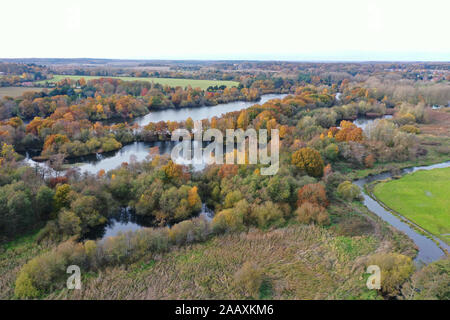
(16, 91)
(423, 197)
(204, 84)
(298, 262)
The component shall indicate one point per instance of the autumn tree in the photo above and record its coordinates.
(308, 160)
(314, 193)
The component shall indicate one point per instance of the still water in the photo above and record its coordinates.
(205, 112)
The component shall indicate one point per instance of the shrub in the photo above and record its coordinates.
(146, 240)
(24, 286)
(404, 119)
(410, 129)
(279, 189)
(48, 270)
(69, 223)
(115, 250)
(312, 213)
(189, 231)
(228, 220)
(332, 151)
(231, 198)
(395, 270)
(369, 161)
(248, 279)
(430, 283)
(348, 191)
(268, 214)
(314, 193)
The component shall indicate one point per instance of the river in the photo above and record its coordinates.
(429, 251)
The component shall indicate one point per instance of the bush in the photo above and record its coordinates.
(228, 220)
(147, 240)
(332, 151)
(189, 231)
(24, 286)
(430, 283)
(395, 270)
(69, 223)
(369, 161)
(268, 214)
(348, 191)
(48, 271)
(314, 193)
(248, 279)
(410, 129)
(231, 198)
(312, 213)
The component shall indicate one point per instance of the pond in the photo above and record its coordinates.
(126, 220)
(205, 112)
(363, 122)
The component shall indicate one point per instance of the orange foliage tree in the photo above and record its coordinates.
(308, 160)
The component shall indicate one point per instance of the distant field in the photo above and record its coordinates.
(16, 91)
(204, 84)
(423, 197)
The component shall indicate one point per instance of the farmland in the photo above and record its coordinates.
(422, 197)
(203, 84)
(16, 91)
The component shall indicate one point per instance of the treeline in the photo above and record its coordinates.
(18, 73)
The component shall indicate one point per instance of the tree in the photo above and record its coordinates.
(395, 270)
(308, 160)
(194, 199)
(348, 191)
(44, 201)
(228, 220)
(69, 223)
(61, 198)
(309, 212)
(432, 282)
(231, 198)
(243, 120)
(268, 214)
(314, 193)
(332, 151)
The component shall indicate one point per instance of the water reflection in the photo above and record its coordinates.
(205, 112)
(363, 122)
(127, 220)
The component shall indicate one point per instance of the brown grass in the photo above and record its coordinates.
(438, 123)
(300, 262)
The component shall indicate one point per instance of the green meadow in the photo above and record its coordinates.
(203, 84)
(423, 197)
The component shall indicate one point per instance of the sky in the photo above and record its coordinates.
(231, 29)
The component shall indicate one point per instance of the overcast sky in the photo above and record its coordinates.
(227, 29)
